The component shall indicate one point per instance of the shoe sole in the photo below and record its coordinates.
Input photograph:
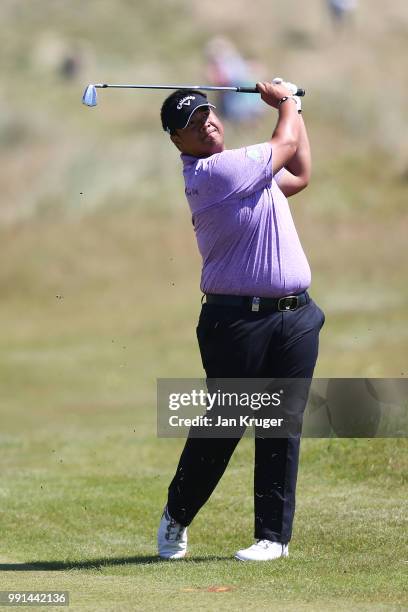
(173, 558)
(256, 560)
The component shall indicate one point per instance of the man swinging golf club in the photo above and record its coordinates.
(258, 320)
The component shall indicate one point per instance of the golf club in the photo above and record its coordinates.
(90, 97)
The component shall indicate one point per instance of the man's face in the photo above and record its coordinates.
(203, 136)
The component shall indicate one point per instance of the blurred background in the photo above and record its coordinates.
(99, 273)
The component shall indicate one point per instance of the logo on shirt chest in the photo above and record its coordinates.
(254, 153)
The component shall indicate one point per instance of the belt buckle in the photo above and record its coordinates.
(290, 302)
(255, 304)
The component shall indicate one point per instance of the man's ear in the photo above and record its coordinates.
(175, 138)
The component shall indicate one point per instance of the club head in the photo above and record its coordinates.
(90, 97)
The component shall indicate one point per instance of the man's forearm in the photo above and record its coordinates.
(300, 164)
(287, 128)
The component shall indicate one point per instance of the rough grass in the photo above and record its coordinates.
(60, 158)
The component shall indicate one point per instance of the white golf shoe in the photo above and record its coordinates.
(171, 538)
(263, 550)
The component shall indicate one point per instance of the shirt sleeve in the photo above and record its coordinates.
(279, 175)
(235, 173)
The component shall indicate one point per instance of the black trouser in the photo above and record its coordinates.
(238, 343)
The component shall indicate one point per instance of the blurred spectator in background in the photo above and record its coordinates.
(55, 53)
(226, 68)
(341, 11)
(70, 65)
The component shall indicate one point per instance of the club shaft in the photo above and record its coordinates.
(300, 92)
(205, 87)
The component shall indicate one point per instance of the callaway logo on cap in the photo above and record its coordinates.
(179, 107)
(185, 102)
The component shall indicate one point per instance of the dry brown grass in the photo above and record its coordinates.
(93, 200)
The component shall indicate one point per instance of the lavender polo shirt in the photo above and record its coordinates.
(243, 225)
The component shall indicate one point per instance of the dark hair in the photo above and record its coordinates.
(171, 101)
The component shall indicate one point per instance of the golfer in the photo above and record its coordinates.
(258, 320)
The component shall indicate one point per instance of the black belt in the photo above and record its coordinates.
(257, 304)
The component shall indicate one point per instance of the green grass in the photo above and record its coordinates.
(81, 503)
(84, 477)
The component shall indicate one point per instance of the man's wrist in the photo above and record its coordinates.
(284, 99)
(295, 99)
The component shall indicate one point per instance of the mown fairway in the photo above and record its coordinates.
(84, 476)
(99, 285)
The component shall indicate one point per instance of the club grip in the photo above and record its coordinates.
(300, 92)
